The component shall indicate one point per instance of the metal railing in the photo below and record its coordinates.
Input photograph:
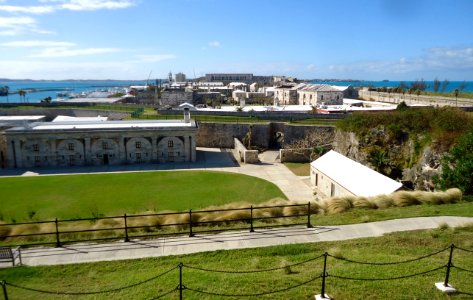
(59, 232)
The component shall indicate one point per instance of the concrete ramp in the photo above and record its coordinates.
(270, 156)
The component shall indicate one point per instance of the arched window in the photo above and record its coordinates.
(170, 144)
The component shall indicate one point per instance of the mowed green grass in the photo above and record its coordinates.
(74, 196)
(299, 169)
(389, 248)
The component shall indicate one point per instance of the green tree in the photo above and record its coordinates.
(444, 85)
(457, 165)
(436, 85)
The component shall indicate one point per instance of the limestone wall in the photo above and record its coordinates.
(244, 155)
(412, 99)
(295, 155)
(221, 135)
(51, 113)
(270, 135)
(273, 115)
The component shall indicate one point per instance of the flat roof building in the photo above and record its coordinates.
(229, 77)
(78, 143)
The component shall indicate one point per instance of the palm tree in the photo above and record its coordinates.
(4, 91)
(456, 96)
(22, 93)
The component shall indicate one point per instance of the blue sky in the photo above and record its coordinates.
(128, 39)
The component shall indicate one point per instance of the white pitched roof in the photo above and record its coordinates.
(353, 176)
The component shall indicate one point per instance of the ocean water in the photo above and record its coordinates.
(452, 85)
(46, 89)
(51, 88)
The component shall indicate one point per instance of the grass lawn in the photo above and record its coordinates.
(389, 248)
(73, 196)
(300, 169)
(354, 216)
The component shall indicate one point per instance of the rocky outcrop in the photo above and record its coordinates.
(410, 159)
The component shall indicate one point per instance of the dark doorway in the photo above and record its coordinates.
(105, 159)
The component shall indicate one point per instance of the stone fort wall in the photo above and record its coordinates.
(270, 135)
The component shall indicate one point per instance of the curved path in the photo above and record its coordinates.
(79, 253)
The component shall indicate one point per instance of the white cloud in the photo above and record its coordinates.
(16, 21)
(12, 26)
(75, 5)
(151, 58)
(27, 9)
(214, 44)
(434, 60)
(47, 69)
(42, 69)
(54, 52)
(37, 43)
(96, 4)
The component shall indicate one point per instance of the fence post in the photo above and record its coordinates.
(444, 286)
(251, 219)
(322, 295)
(180, 281)
(58, 242)
(4, 287)
(449, 264)
(126, 229)
(191, 234)
(308, 216)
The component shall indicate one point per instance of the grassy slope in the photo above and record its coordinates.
(359, 215)
(389, 248)
(300, 169)
(111, 194)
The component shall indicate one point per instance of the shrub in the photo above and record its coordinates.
(457, 166)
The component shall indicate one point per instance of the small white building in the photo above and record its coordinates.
(238, 86)
(335, 175)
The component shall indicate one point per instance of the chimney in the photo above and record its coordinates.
(187, 115)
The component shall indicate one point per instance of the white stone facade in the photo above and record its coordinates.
(119, 142)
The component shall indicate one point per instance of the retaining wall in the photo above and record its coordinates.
(295, 155)
(51, 113)
(271, 135)
(270, 115)
(244, 155)
(411, 99)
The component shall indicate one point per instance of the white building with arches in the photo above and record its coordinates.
(79, 143)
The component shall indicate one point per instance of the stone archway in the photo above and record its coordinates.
(105, 151)
(171, 149)
(138, 150)
(70, 152)
(36, 153)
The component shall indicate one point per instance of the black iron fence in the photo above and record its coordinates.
(441, 272)
(59, 232)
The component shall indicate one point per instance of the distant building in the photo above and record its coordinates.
(238, 86)
(285, 94)
(239, 96)
(180, 77)
(254, 87)
(228, 77)
(322, 94)
(10, 121)
(348, 91)
(335, 175)
(79, 143)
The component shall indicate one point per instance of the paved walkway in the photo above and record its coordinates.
(80, 253)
